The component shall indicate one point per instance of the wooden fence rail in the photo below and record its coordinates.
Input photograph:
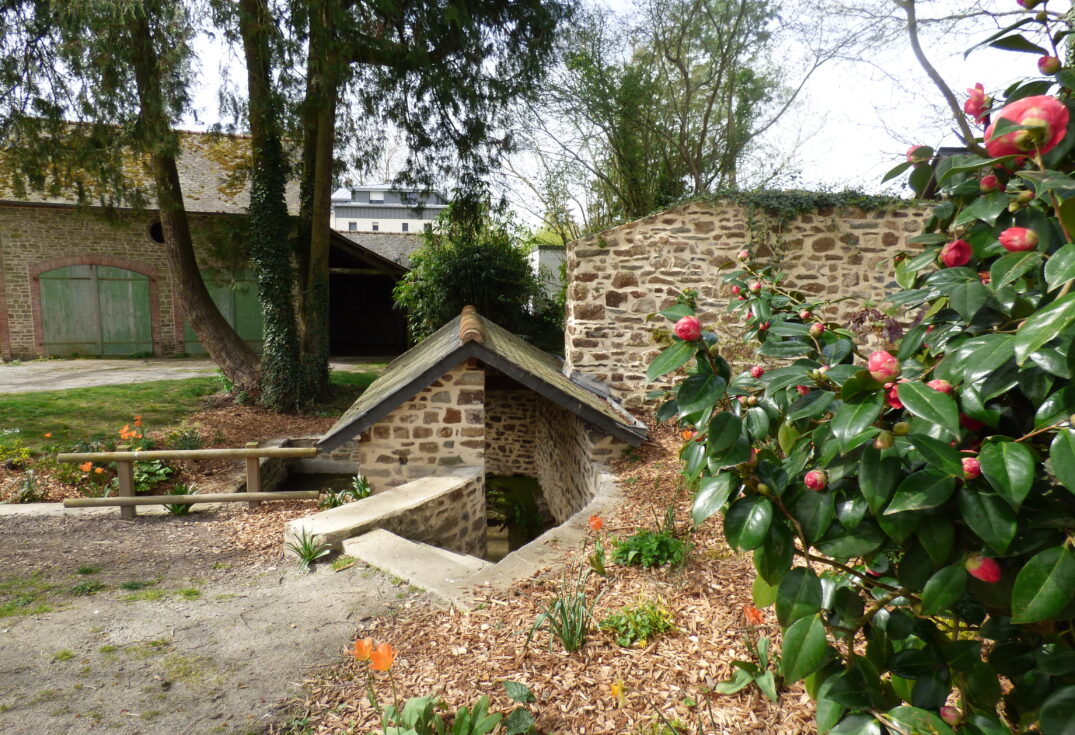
(125, 459)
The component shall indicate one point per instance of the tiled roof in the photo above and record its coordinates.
(394, 246)
(213, 172)
(472, 335)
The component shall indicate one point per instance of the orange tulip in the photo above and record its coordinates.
(86, 466)
(363, 649)
(382, 657)
(753, 615)
(138, 422)
(48, 435)
(100, 470)
(596, 524)
(687, 434)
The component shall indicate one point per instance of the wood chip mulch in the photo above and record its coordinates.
(461, 656)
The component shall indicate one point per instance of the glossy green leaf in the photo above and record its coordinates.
(932, 405)
(989, 516)
(937, 536)
(747, 522)
(844, 544)
(724, 429)
(922, 490)
(1058, 712)
(763, 593)
(814, 511)
(878, 476)
(900, 526)
(857, 725)
(1044, 586)
(1062, 456)
(1011, 267)
(986, 208)
(713, 493)
(968, 299)
(1009, 468)
(982, 355)
(896, 171)
(939, 455)
(772, 560)
(798, 595)
(852, 418)
(803, 651)
(943, 589)
(757, 423)
(979, 724)
(699, 392)
(1043, 326)
(812, 405)
(676, 356)
(1060, 268)
(918, 720)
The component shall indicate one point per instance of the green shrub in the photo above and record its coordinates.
(638, 624)
(181, 509)
(184, 438)
(649, 548)
(28, 490)
(567, 615)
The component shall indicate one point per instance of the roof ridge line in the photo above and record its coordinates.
(470, 326)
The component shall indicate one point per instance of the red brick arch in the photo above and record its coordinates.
(44, 266)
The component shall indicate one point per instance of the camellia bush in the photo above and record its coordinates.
(910, 506)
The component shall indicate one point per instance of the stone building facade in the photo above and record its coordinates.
(621, 278)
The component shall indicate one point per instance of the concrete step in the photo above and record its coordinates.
(438, 571)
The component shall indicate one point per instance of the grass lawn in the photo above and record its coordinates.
(97, 413)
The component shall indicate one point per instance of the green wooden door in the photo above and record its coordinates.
(237, 300)
(95, 310)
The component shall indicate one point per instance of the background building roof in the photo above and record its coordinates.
(394, 246)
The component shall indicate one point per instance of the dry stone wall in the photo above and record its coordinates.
(510, 435)
(441, 426)
(620, 278)
(571, 457)
(34, 235)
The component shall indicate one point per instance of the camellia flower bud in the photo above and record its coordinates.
(1018, 239)
(803, 390)
(805, 314)
(754, 286)
(983, 568)
(816, 480)
(743, 255)
(940, 385)
(972, 468)
(757, 371)
(901, 429)
(884, 440)
(1026, 196)
(816, 330)
(883, 366)
(762, 488)
(752, 401)
(688, 328)
(1048, 65)
(764, 326)
(735, 290)
(990, 183)
(955, 254)
(918, 154)
(951, 715)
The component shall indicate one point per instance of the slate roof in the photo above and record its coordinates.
(393, 246)
(213, 171)
(472, 335)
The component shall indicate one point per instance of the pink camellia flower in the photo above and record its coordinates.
(883, 366)
(972, 468)
(977, 104)
(757, 371)
(1047, 118)
(892, 396)
(918, 154)
(803, 390)
(1048, 65)
(940, 385)
(983, 568)
(990, 183)
(816, 480)
(955, 253)
(763, 327)
(951, 715)
(1018, 239)
(688, 329)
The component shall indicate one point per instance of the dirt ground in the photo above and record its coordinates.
(166, 624)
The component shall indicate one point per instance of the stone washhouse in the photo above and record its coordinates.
(470, 400)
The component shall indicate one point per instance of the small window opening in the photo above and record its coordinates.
(156, 231)
(405, 226)
(352, 227)
(376, 226)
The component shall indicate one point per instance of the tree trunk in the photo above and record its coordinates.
(234, 357)
(316, 191)
(270, 250)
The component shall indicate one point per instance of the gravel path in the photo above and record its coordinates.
(211, 640)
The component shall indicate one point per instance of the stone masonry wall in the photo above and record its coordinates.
(35, 237)
(510, 435)
(621, 277)
(570, 458)
(441, 426)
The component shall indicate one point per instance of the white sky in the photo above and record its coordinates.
(854, 121)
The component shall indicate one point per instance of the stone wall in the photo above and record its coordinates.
(441, 426)
(446, 511)
(510, 435)
(620, 278)
(35, 239)
(571, 458)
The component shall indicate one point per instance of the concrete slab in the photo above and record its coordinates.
(437, 571)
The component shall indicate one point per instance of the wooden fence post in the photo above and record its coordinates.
(253, 475)
(125, 475)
